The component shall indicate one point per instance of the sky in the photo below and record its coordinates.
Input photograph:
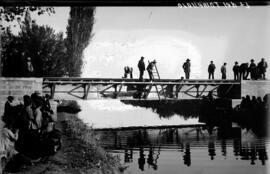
(170, 35)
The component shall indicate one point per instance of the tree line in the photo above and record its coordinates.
(52, 54)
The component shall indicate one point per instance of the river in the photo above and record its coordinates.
(188, 143)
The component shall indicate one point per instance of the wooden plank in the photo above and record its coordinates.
(139, 83)
(131, 80)
(151, 127)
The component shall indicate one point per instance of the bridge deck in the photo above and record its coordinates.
(106, 81)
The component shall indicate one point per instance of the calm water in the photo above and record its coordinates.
(209, 149)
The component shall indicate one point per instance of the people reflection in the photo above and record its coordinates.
(224, 147)
(150, 160)
(262, 154)
(141, 160)
(211, 149)
(252, 155)
(244, 153)
(236, 147)
(170, 135)
(187, 155)
(128, 155)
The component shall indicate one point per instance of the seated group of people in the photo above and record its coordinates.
(30, 127)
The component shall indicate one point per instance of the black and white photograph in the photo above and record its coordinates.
(134, 87)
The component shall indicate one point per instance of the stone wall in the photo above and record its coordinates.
(256, 88)
(18, 87)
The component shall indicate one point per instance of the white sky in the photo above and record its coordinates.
(170, 35)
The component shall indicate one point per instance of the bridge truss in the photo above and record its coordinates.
(157, 89)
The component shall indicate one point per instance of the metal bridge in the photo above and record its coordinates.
(134, 88)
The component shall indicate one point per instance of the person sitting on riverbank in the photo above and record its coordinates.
(8, 116)
(16, 159)
(9, 136)
(37, 103)
(50, 140)
(37, 136)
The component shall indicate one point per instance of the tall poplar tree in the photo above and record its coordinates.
(79, 33)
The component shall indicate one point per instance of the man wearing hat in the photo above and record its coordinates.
(150, 69)
(262, 66)
(253, 70)
(223, 71)
(141, 67)
(186, 67)
(8, 117)
(211, 70)
(236, 71)
(29, 67)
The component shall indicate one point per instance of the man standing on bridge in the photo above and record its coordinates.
(211, 70)
(253, 70)
(262, 66)
(186, 67)
(141, 67)
(150, 69)
(243, 69)
(236, 71)
(223, 71)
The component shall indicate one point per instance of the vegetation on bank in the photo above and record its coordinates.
(69, 106)
(84, 154)
(51, 54)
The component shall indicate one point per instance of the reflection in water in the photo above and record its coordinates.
(128, 155)
(217, 114)
(152, 142)
(211, 149)
(150, 160)
(141, 160)
(223, 148)
(225, 137)
(187, 156)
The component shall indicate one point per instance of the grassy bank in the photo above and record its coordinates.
(84, 153)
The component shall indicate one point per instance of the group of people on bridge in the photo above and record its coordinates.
(29, 127)
(141, 65)
(241, 71)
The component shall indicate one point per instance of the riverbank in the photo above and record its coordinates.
(80, 151)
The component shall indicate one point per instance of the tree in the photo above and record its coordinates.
(45, 48)
(8, 14)
(79, 33)
(51, 54)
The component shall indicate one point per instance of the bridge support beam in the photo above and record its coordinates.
(52, 90)
(86, 91)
